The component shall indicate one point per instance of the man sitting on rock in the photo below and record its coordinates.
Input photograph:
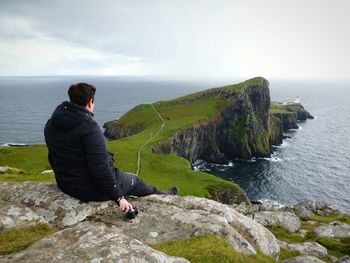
(77, 154)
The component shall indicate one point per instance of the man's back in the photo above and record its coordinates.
(68, 133)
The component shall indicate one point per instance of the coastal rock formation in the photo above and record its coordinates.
(284, 117)
(243, 126)
(238, 130)
(160, 219)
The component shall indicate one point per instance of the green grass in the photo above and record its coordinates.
(32, 160)
(19, 238)
(167, 170)
(286, 254)
(276, 107)
(209, 249)
(329, 218)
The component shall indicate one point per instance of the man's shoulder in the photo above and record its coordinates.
(90, 126)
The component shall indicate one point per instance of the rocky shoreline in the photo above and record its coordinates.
(98, 232)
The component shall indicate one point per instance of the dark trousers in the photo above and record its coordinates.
(132, 185)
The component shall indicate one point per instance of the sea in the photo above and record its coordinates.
(313, 163)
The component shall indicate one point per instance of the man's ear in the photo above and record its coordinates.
(90, 102)
(90, 105)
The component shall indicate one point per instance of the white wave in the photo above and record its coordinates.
(230, 164)
(196, 168)
(276, 203)
(283, 144)
(274, 159)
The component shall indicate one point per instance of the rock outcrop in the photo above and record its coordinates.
(303, 259)
(286, 220)
(333, 230)
(286, 117)
(160, 219)
(308, 248)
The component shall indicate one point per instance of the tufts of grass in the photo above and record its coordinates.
(329, 218)
(19, 238)
(336, 247)
(286, 254)
(284, 235)
(201, 249)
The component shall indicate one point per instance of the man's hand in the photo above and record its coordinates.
(125, 206)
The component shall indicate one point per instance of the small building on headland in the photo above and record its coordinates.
(296, 101)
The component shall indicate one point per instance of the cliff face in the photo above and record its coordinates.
(238, 130)
(244, 126)
(285, 118)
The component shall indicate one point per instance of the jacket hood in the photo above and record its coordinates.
(69, 115)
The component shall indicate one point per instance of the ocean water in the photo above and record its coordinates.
(313, 164)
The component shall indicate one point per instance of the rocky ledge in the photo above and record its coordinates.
(98, 232)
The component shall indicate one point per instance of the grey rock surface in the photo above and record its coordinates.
(333, 230)
(302, 212)
(42, 202)
(318, 207)
(286, 220)
(303, 259)
(88, 242)
(308, 248)
(254, 233)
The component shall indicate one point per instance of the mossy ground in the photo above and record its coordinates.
(16, 239)
(209, 249)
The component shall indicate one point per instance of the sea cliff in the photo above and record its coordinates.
(245, 124)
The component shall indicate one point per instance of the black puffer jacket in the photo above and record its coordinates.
(77, 153)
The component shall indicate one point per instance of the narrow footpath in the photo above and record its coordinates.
(144, 145)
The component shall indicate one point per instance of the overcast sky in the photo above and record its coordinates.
(182, 38)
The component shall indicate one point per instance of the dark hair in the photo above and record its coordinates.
(81, 93)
